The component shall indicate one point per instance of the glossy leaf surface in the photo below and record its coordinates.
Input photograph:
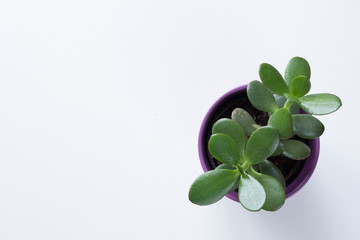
(262, 143)
(282, 121)
(297, 66)
(211, 186)
(256, 167)
(268, 168)
(279, 150)
(295, 108)
(225, 166)
(272, 79)
(223, 148)
(236, 184)
(233, 130)
(296, 150)
(275, 194)
(251, 193)
(261, 97)
(280, 100)
(300, 86)
(243, 118)
(320, 104)
(307, 126)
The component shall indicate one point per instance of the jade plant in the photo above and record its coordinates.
(243, 146)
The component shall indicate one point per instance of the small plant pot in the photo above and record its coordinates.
(296, 173)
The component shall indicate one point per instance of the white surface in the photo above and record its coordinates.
(101, 104)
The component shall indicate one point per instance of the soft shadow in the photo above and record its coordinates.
(306, 215)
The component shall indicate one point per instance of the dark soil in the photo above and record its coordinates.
(290, 168)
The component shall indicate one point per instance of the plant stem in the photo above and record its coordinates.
(245, 166)
(252, 170)
(288, 103)
(242, 172)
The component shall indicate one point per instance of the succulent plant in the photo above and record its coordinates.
(243, 147)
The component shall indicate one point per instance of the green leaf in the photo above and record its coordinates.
(211, 186)
(320, 104)
(275, 194)
(224, 166)
(256, 167)
(281, 100)
(300, 86)
(272, 79)
(262, 143)
(295, 108)
(236, 184)
(233, 130)
(224, 149)
(306, 126)
(282, 121)
(297, 66)
(268, 168)
(279, 150)
(243, 118)
(261, 97)
(296, 150)
(251, 193)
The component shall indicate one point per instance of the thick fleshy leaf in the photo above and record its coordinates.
(211, 186)
(297, 66)
(251, 193)
(282, 121)
(272, 79)
(224, 149)
(300, 86)
(306, 126)
(296, 150)
(243, 118)
(279, 150)
(280, 100)
(320, 104)
(225, 166)
(268, 168)
(262, 143)
(261, 97)
(256, 167)
(275, 194)
(233, 130)
(236, 184)
(295, 108)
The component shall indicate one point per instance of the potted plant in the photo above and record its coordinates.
(259, 143)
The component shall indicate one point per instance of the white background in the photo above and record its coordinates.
(101, 103)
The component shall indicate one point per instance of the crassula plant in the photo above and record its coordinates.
(243, 146)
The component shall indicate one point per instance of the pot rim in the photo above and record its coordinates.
(300, 180)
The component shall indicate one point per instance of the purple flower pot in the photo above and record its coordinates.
(302, 175)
